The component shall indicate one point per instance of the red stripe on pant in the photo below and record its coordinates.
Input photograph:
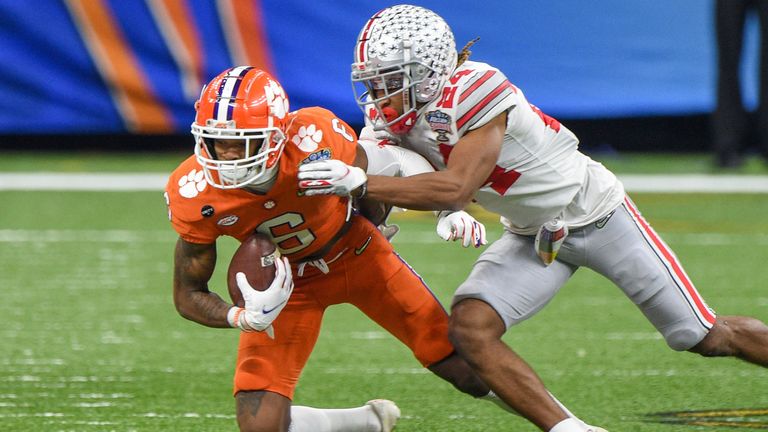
(670, 259)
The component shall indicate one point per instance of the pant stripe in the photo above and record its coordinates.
(667, 257)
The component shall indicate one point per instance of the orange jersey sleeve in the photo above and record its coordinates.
(299, 225)
(189, 208)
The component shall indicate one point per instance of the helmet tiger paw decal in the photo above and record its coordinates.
(192, 184)
(308, 138)
(276, 99)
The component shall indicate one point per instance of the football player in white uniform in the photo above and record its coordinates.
(560, 209)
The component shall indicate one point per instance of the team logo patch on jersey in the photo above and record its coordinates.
(322, 154)
(269, 204)
(308, 138)
(192, 184)
(207, 211)
(228, 220)
(440, 122)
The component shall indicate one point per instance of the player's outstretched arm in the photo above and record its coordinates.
(385, 158)
(470, 164)
(193, 267)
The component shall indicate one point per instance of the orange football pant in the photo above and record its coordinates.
(367, 274)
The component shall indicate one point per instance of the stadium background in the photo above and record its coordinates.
(118, 75)
(89, 337)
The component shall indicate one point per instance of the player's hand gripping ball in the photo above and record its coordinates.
(256, 259)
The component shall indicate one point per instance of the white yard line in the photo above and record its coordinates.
(702, 183)
(83, 181)
(677, 183)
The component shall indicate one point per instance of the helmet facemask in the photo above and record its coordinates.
(415, 81)
(262, 147)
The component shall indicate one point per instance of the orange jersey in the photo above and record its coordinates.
(299, 225)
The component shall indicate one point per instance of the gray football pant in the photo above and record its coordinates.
(511, 278)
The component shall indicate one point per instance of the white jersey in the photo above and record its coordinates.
(539, 175)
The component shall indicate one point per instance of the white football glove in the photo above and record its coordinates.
(262, 307)
(460, 225)
(330, 176)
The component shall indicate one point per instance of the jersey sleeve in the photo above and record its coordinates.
(185, 212)
(484, 93)
(321, 127)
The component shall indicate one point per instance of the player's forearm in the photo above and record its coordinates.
(193, 267)
(431, 191)
(203, 307)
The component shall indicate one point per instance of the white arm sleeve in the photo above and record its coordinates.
(393, 161)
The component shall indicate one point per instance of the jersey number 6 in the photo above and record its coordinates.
(280, 229)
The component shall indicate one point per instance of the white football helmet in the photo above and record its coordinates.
(242, 103)
(401, 49)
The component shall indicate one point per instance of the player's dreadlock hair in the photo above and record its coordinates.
(465, 52)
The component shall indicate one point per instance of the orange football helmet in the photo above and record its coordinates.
(241, 103)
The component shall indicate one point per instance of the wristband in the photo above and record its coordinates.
(233, 316)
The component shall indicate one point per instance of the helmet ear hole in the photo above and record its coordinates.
(428, 90)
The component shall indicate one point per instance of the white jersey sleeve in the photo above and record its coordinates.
(484, 94)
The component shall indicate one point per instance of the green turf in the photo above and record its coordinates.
(622, 163)
(11, 161)
(90, 340)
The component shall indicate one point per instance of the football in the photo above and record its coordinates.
(255, 257)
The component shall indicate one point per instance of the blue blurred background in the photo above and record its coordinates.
(132, 68)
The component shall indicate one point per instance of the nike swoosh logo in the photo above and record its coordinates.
(266, 311)
(362, 248)
(601, 222)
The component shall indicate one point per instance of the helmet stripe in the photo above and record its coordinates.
(222, 109)
(364, 36)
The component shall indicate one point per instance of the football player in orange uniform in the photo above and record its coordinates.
(243, 178)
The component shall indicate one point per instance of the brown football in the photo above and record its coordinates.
(256, 258)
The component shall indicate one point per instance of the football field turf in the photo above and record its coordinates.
(90, 340)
